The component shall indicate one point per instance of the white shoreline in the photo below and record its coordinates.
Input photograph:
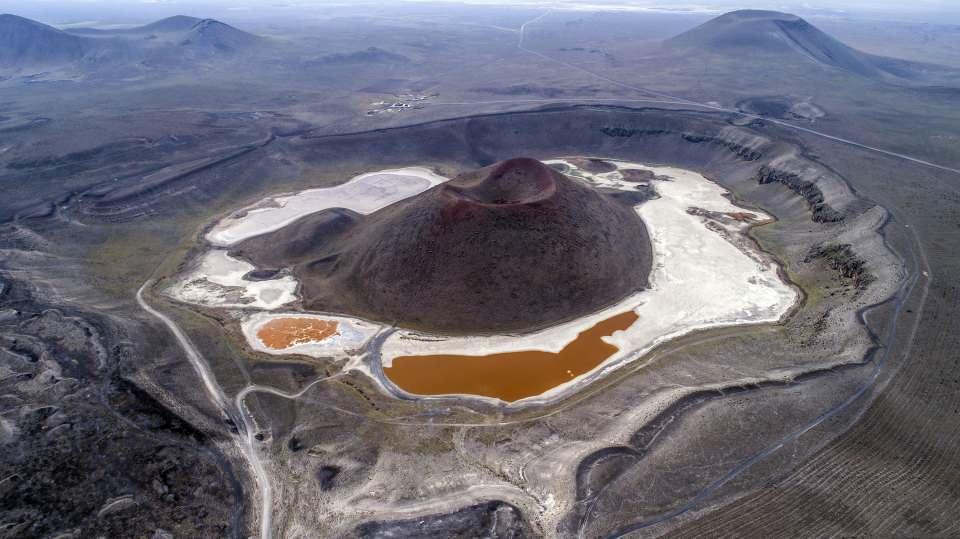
(363, 194)
(352, 335)
(217, 281)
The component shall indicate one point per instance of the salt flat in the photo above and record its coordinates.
(218, 281)
(364, 194)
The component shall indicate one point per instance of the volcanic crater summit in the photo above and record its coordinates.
(517, 181)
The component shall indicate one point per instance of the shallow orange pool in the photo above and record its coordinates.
(282, 333)
(507, 376)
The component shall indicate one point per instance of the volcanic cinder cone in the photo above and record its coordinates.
(746, 32)
(511, 247)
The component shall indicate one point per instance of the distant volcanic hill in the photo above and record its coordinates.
(184, 32)
(372, 55)
(217, 36)
(24, 42)
(770, 32)
(511, 247)
(177, 23)
(28, 43)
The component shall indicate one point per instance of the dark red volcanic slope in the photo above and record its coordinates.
(510, 247)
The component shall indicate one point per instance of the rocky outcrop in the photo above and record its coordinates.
(742, 151)
(840, 257)
(821, 211)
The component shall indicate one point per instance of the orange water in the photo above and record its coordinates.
(282, 333)
(508, 376)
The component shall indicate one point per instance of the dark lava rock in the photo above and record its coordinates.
(510, 247)
(821, 211)
(766, 106)
(635, 197)
(81, 435)
(493, 519)
(294, 444)
(596, 166)
(262, 274)
(841, 258)
(326, 476)
(637, 175)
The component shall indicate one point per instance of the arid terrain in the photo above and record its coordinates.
(443, 270)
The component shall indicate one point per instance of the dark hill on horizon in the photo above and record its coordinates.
(176, 23)
(25, 42)
(184, 31)
(210, 34)
(747, 32)
(370, 55)
(514, 246)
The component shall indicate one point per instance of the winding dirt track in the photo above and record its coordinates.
(217, 397)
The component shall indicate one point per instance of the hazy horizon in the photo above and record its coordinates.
(105, 12)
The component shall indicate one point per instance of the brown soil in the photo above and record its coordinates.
(742, 216)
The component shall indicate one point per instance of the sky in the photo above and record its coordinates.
(60, 12)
